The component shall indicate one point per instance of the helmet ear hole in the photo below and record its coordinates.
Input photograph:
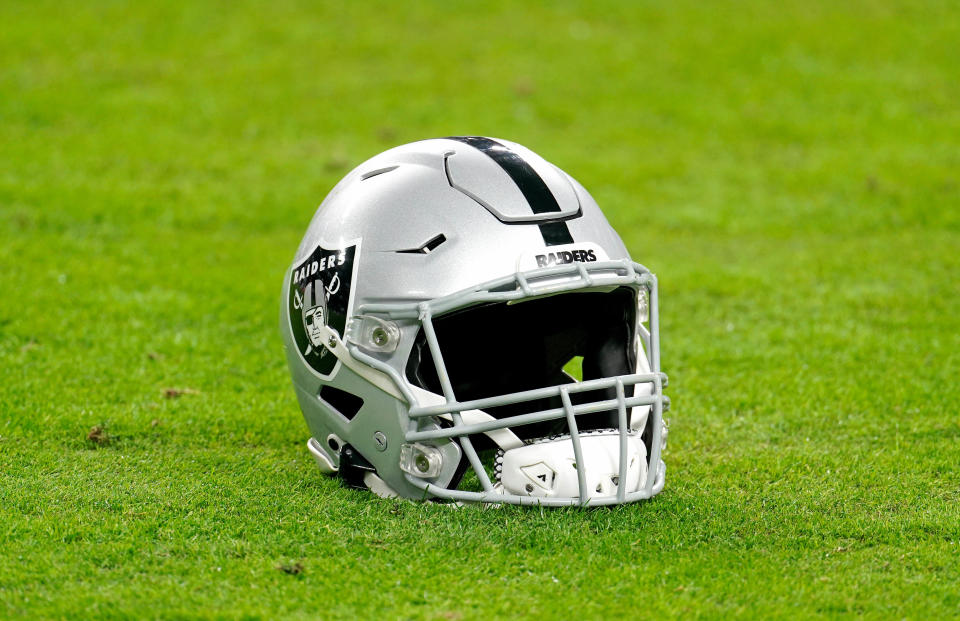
(345, 403)
(334, 443)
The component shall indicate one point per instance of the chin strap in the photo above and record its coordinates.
(549, 467)
(504, 438)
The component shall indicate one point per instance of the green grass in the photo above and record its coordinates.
(790, 171)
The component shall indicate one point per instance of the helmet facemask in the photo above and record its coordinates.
(504, 348)
(486, 373)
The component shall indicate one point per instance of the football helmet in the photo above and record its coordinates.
(460, 305)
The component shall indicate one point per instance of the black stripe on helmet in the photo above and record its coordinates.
(533, 188)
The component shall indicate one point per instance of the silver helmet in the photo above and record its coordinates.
(460, 305)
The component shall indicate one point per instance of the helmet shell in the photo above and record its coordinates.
(414, 223)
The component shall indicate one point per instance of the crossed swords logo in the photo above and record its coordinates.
(330, 290)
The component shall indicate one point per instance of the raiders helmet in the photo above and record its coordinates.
(462, 323)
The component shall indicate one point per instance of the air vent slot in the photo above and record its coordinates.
(426, 248)
(379, 171)
(346, 404)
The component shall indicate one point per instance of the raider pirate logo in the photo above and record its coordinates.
(319, 298)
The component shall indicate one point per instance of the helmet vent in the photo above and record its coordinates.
(346, 404)
(378, 171)
(427, 247)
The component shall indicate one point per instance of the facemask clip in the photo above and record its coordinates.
(421, 460)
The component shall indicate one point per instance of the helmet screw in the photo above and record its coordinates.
(332, 342)
(380, 440)
(422, 463)
(379, 336)
(528, 487)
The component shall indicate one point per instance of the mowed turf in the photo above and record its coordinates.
(790, 171)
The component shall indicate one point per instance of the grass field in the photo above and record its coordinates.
(791, 171)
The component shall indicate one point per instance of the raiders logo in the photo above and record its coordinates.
(566, 256)
(319, 296)
(581, 252)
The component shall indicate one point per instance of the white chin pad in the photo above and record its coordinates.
(548, 468)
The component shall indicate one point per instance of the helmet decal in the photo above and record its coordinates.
(586, 252)
(319, 297)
